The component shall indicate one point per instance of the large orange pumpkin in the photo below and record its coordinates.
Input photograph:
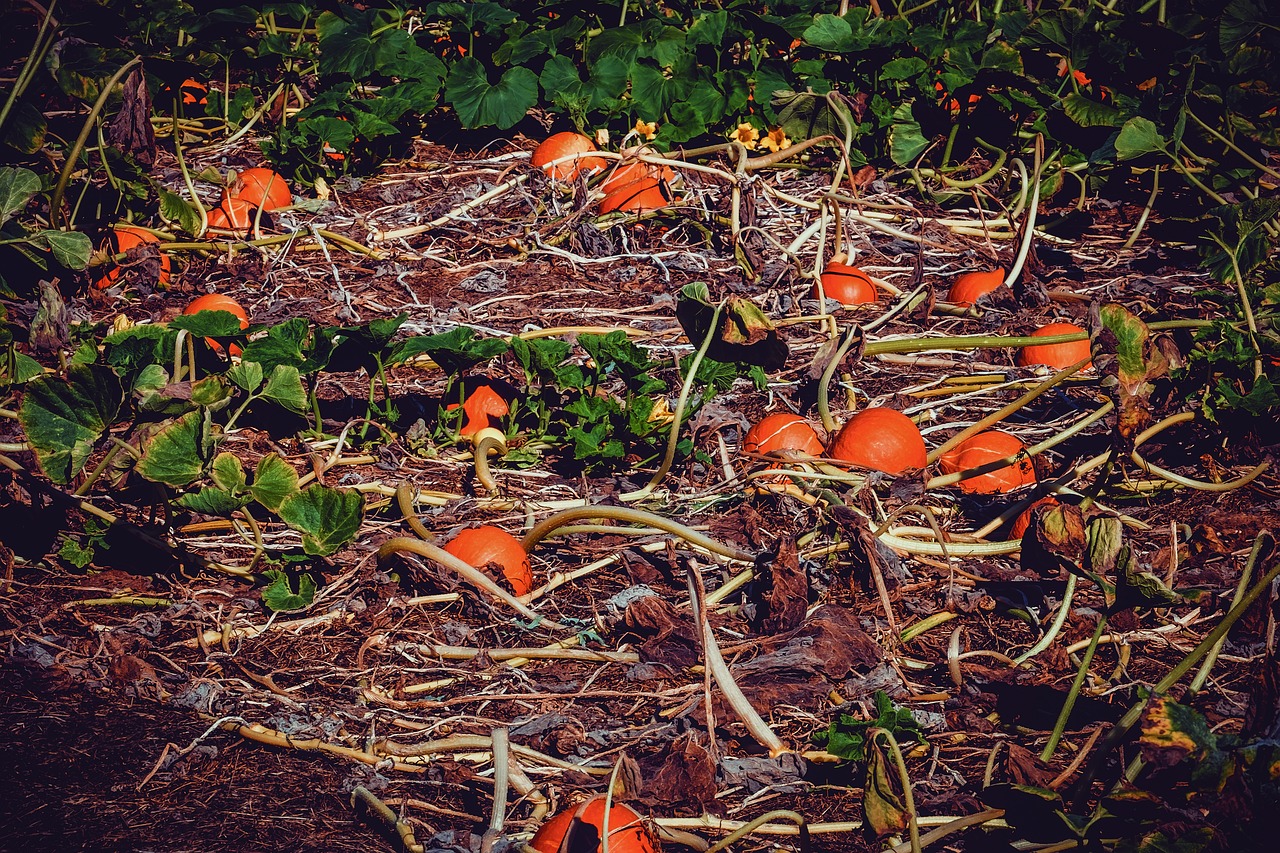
(260, 187)
(988, 446)
(122, 239)
(578, 829)
(636, 197)
(1056, 356)
(846, 284)
(234, 214)
(218, 302)
(489, 545)
(966, 289)
(563, 144)
(880, 439)
(631, 172)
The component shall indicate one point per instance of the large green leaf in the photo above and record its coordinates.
(831, 33)
(175, 208)
(175, 454)
(274, 480)
(63, 418)
(1138, 136)
(70, 248)
(211, 500)
(327, 518)
(455, 351)
(227, 472)
(284, 386)
(1087, 112)
(906, 141)
(480, 103)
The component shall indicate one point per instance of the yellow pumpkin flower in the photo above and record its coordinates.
(646, 129)
(776, 140)
(746, 134)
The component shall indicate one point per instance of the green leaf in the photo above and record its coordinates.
(274, 481)
(76, 554)
(209, 324)
(745, 334)
(480, 103)
(175, 208)
(247, 375)
(1240, 20)
(903, 68)
(17, 187)
(327, 518)
(284, 386)
(291, 342)
(1087, 112)
(228, 473)
(63, 418)
(70, 248)
(831, 33)
(25, 128)
(210, 393)
(455, 351)
(175, 454)
(906, 141)
(277, 596)
(1127, 351)
(25, 368)
(212, 501)
(1138, 136)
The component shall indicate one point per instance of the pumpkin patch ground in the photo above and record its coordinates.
(228, 625)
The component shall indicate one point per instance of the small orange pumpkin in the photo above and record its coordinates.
(636, 197)
(631, 172)
(123, 239)
(1023, 521)
(234, 214)
(488, 545)
(194, 92)
(782, 431)
(260, 187)
(483, 407)
(1056, 356)
(966, 289)
(988, 446)
(579, 829)
(846, 284)
(880, 439)
(218, 302)
(563, 144)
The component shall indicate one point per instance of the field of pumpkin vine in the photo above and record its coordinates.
(640, 425)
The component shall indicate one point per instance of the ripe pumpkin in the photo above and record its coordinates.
(782, 431)
(636, 197)
(234, 214)
(260, 188)
(1023, 521)
(194, 92)
(880, 439)
(123, 239)
(966, 289)
(1056, 356)
(489, 545)
(631, 172)
(578, 828)
(563, 144)
(988, 446)
(483, 407)
(846, 284)
(218, 302)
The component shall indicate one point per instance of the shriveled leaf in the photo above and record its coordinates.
(278, 596)
(327, 518)
(744, 335)
(883, 803)
(1105, 537)
(1054, 541)
(1125, 349)
(26, 127)
(63, 418)
(274, 480)
(175, 454)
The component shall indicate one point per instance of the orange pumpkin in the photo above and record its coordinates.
(966, 289)
(562, 145)
(123, 239)
(636, 197)
(988, 446)
(260, 187)
(880, 439)
(483, 407)
(631, 172)
(234, 214)
(846, 284)
(579, 829)
(782, 431)
(194, 92)
(488, 545)
(218, 302)
(1023, 521)
(1056, 356)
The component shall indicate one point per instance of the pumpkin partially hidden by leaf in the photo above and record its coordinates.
(234, 214)
(967, 289)
(782, 431)
(563, 145)
(989, 446)
(578, 829)
(489, 545)
(123, 239)
(1023, 521)
(218, 302)
(483, 407)
(880, 439)
(846, 284)
(1056, 356)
